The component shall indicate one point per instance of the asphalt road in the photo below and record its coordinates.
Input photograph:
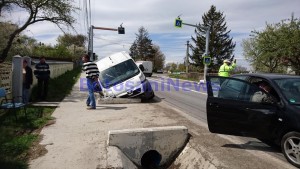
(190, 97)
(187, 96)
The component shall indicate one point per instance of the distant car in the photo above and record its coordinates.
(231, 110)
(160, 71)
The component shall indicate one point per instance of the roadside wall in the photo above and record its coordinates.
(56, 70)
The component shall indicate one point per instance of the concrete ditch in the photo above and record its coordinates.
(159, 147)
(154, 147)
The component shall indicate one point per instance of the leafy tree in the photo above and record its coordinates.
(240, 69)
(181, 67)
(58, 12)
(220, 44)
(142, 47)
(289, 43)
(5, 5)
(57, 52)
(159, 59)
(69, 40)
(275, 47)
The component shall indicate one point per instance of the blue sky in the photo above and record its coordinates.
(158, 16)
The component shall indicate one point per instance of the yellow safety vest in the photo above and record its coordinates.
(225, 69)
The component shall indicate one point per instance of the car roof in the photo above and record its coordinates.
(269, 76)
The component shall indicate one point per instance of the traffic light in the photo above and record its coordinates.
(121, 30)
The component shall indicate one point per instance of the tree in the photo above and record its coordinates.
(240, 69)
(159, 58)
(142, 47)
(220, 44)
(58, 12)
(181, 67)
(69, 40)
(275, 47)
(5, 5)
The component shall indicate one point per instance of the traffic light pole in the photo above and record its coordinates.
(120, 30)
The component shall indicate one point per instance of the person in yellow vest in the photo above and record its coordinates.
(226, 68)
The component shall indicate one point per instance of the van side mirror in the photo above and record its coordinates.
(142, 67)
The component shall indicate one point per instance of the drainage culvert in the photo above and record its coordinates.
(150, 148)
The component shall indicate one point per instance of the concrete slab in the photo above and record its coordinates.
(117, 160)
(119, 100)
(134, 143)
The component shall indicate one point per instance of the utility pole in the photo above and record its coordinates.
(187, 57)
(206, 52)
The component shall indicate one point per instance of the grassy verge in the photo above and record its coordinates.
(59, 87)
(178, 76)
(17, 136)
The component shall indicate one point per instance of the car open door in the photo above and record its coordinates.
(230, 109)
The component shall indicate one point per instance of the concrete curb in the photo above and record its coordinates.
(118, 101)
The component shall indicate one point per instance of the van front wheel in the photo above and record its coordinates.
(290, 145)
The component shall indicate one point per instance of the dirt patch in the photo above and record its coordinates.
(38, 150)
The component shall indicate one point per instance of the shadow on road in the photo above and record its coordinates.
(156, 99)
(254, 145)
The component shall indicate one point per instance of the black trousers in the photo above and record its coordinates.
(42, 88)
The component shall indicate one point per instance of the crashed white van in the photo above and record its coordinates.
(121, 77)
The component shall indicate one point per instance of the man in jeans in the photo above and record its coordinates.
(92, 74)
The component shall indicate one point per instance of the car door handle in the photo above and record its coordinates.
(263, 111)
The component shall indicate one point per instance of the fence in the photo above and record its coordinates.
(5, 76)
(56, 69)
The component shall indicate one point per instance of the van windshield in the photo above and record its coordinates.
(118, 73)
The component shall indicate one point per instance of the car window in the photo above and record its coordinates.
(272, 92)
(230, 88)
(290, 88)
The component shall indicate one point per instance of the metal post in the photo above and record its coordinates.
(17, 77)
(90, 47)
(206, 52)
(187, 57)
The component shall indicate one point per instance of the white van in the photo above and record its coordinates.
(148, 67)
(121, 77)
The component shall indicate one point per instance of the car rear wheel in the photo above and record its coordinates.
(290, 145)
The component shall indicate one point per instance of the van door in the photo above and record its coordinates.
(231, 111)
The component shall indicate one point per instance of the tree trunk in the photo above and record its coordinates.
(4, 53)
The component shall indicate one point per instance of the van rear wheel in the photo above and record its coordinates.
(290, 145)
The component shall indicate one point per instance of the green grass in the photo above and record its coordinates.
(178, 76)
(17, 136)
(59, 87)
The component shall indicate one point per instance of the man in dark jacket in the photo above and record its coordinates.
(42, 74)
(27, 81)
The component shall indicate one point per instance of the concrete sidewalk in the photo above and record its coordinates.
(78, 139)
